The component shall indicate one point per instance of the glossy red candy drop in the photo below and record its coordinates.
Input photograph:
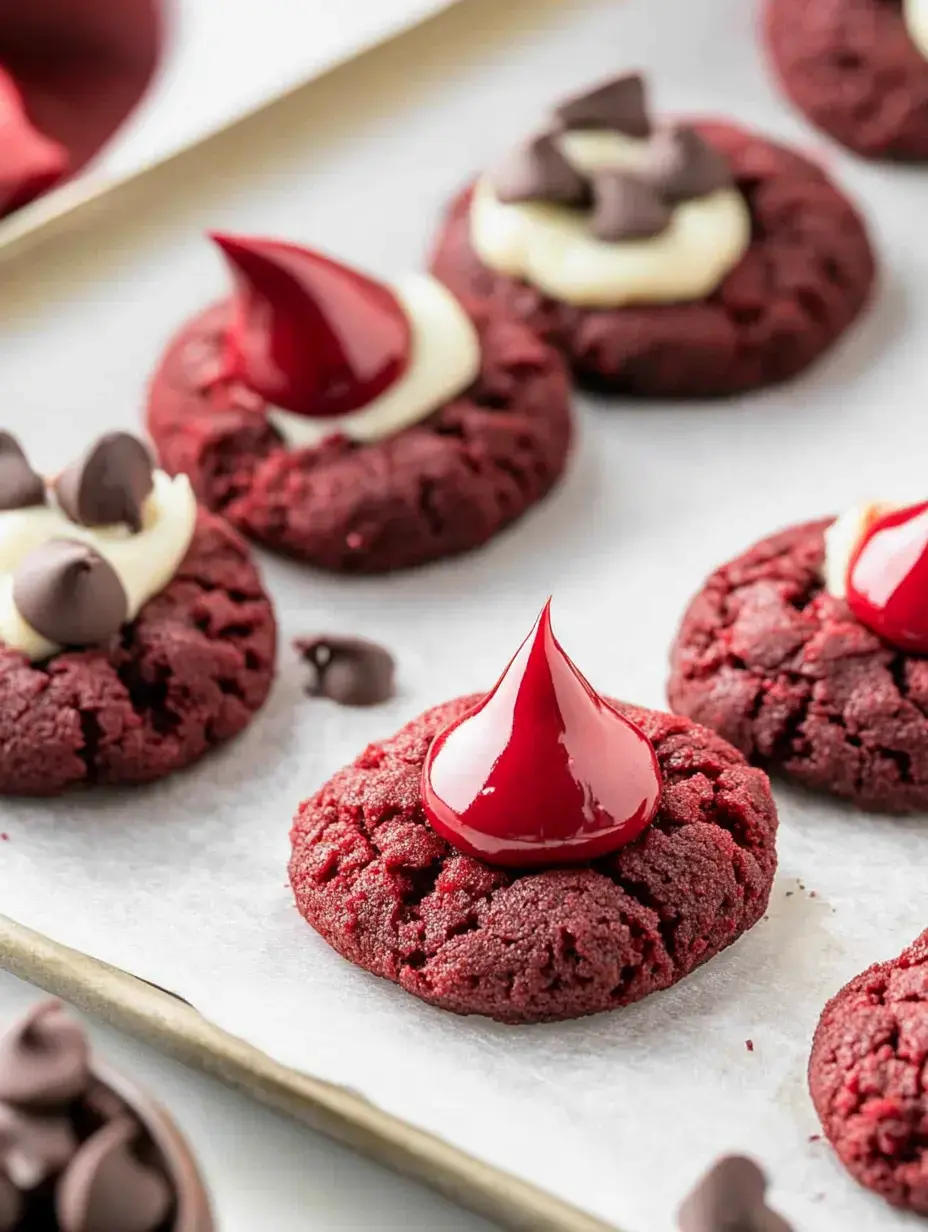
(887, 578)
(308, 334)
(30, 162)
(543, 770)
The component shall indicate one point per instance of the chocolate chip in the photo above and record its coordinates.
(625, 208)
(619, 104)
(34, 1146)
(730, 1198)
(70, 594)
(538, 171)
(107, 1188)
(679, 164)
(20, 486)
(43, 1059)
(11, 1205)
(108, 484)
(348, 670)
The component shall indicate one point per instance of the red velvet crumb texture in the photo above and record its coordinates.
(806, 276)
(854, 70)
(188, 673)
(390, 895)
(771, 661)
(866, 1077)
(439, 487)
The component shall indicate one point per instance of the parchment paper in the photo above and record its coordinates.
(184, 884)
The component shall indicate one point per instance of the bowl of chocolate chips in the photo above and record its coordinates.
(82, 1149)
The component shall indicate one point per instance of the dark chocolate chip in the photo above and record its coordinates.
(679, 164)
(625, 208)
(730, 1198)
(70, 594)
(108, 484)
(107, 1188)
(34, 1145)
(538, 171)
(348, 670)
(43, 1059)
(20, 486)
(619, 104)
(11, 1205)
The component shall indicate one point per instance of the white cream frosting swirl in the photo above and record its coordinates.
(842, 539)
(145, 562)
(916, 20)
(553, 247)
(444, 361)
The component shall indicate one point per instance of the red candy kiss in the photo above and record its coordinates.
(29, 161)
(543, 770)
(887, 579)
(308, 334)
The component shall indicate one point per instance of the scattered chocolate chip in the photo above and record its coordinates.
(679, 164)
(730, 1198)
(70, 594)
(108, 484)
(107, 1188)
(626, 208)
(33, 1145)
(620, 104)
(20, 486)
(43, 1060)
(538, 171)
(348, 670)
(11, 1205)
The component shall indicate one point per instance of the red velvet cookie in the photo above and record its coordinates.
(806, 275)
(81, 67)
(866, 1077)
(854, 70)
(441, 485)
(134, 630)
(791, 676)
(530, 933)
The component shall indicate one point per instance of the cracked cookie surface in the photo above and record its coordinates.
(390, 895)
(866, 1077)
(186, 674)
(439, 487)
(806, 276)
(771, 661)
(854, 70)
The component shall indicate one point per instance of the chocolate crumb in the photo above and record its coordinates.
(730, 1198)
(348, 670)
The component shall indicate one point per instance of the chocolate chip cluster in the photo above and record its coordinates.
(74, 1156)
(66, 591)
(676, 165)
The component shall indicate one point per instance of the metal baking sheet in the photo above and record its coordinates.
(221, 63)
(184, 884)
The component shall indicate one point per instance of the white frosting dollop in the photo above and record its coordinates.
(916, 20)
(444, 361)
(842, 538)
(145, 562)
(552, 246)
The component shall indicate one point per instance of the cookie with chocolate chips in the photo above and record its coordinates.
(701, 260)
(134, 631)
(81, 1150)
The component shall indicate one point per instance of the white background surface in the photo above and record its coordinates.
(185, 883)
(265, 1174)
